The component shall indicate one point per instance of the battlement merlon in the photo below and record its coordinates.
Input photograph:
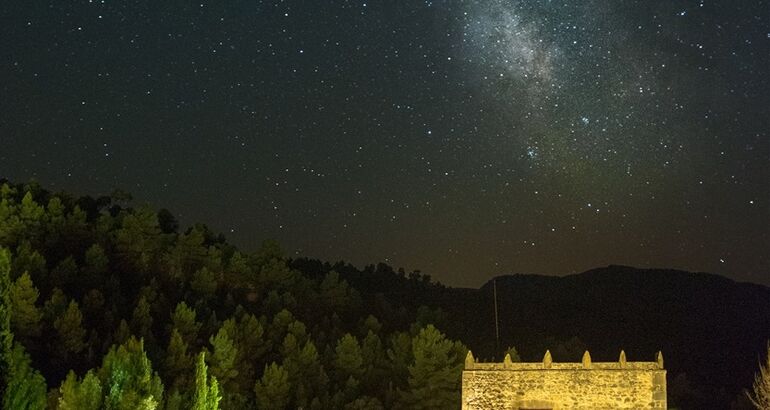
(548, 363)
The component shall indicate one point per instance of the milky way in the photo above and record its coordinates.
(462, 138)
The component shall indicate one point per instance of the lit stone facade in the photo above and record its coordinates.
(548, 385)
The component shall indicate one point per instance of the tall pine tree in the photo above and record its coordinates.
(434, 376)
(206, 396)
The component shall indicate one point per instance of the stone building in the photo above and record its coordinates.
(549, 385)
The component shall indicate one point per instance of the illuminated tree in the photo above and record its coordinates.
(223, 358)
(26, 388)
(206, 396)
(434, 376)
(80, 395)
(183, 320)
(348, 358)
(761, 389)
(21, 387)
(273, 389)
(25, 320)
(128, 379)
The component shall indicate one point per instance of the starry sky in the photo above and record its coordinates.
(463, 138)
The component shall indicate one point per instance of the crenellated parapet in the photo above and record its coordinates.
(548, 363)
(564, 385)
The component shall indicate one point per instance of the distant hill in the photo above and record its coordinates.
(712, 330)
(87, 275)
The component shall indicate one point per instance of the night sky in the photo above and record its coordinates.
(462, 138)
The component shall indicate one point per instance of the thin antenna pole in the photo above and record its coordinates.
(497, 327)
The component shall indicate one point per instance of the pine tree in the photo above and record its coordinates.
(206, 396)
(348, 358)
(128, 379)
(80, 395)
(141, 319)
(28, 259)
(11, 226)
(21, 387)
(375, 377)
(204, 283)
(31, 215)
(178, 364)
(138, 239)
(26, 388)
(273, 389)
(223, 358)
(25, 320)
(252, 346)
(69, 327)
(434, 376)
(183, 320)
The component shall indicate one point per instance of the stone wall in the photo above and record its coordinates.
(548, 385)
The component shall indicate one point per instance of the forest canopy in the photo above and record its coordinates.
(107, 305)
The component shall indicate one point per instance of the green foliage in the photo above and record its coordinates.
(178, 363)
(434, 376)
(96, 261)
(128, 379)
(348, 358)
(223, 358)
(69, 329)
(273, 389)
(122, 333)
(275, 273)
(55, 306)
(186, 255)
(238, 268)
(206, 396)
(26, 388)
(174, 401)
(204, 282)
(31, 215)
(128, 269)
(375, 365)
(28, 259)
(184, 321)
(400, 356)
(141, 320)
(6, 336)
(11, 226)
(65, 273)
(138, 239)
(25, 320)
(335, 292)
(270, 250)
(80, 395)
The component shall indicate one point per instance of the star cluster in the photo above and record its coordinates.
(462, 138)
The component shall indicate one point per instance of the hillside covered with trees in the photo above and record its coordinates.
(110, 305)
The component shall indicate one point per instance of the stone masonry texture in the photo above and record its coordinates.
(548, 385)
